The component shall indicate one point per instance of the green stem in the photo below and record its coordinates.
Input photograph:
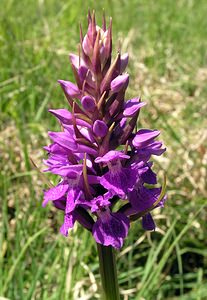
(107, 263)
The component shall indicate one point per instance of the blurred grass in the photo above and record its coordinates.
(167, 42)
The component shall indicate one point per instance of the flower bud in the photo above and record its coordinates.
(119, 82)
(75, 60)
(100, 128)
(87, 46)
(88, 103)
(124, 62)
(69, 88)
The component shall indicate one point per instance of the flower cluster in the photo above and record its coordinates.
(98, 155)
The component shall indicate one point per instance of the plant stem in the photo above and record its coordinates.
(107, 264)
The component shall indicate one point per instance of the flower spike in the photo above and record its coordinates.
(99, 154)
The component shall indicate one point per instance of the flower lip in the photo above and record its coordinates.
(110, 156)
(69, 221)
(111, 229)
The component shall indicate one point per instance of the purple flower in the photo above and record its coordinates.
(118, 180)
(97, 153)
(71, 186)
(100, 203)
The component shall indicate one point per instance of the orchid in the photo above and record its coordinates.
(98, 155)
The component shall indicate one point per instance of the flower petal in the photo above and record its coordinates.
(70, 88)
(111, 155)
(100, 202)
(111, 230)
(55, 193)
(149, 177)
(120, 183)
(143, 198)
(143, 137)
(132, 106)
(63, 139)
(148, 222)
(69, 221)
(72, 196)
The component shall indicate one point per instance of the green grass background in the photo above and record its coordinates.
(167, 42)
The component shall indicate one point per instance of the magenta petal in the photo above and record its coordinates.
(110, 156)
(82, 72)
(148, 222)
(144, 136)
(72, 196)
(76, 61)
(86, 149)
(55, 193)
(63, 139)
(56, 149)
(112, 230)
(70, 88)
(62, 114)
(69, 221)
(87, 46)
(66, 170)
(87, 133)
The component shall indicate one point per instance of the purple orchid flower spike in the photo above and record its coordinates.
(97, 154)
